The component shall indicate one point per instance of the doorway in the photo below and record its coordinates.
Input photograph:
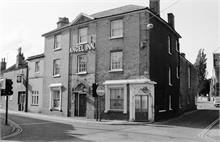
(21, 100)
(80, 104)
(141, 108)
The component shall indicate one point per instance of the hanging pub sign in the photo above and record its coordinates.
(82, 47)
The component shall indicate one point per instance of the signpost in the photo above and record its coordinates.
(100, 92)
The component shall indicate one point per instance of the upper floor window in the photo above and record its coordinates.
(170, 76)
(83, 35)
(169, 45)
(56, 67)
(37, 67)
(116, 60)
(189, 77)
(177, 46)
(82, 63)
(116, 28)
(177, 72)
(57, 42)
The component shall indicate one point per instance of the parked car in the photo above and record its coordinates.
(217, 101)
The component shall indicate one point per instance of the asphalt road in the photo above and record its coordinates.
(186, 128)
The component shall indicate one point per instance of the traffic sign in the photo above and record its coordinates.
(100, 90)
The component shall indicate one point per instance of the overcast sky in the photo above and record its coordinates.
(22, 22)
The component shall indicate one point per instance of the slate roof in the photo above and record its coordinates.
(13, 67)
(35, 57)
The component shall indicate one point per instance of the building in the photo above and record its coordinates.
(215, 87)
(18, 74)
(35, 82)
(129, 50)
(188, 84)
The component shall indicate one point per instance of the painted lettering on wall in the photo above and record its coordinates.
(82, 47)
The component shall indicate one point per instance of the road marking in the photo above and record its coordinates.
(204, 133)
(36, 123)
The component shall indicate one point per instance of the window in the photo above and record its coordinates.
(189, 77)
(37, 67)
(34, 97)
(177, 72)
(83, 35)
(169, 45)
(116, 60)
(170, 102)
(177, 46)
(56, 98)
(117, 98)
(57, 42)
(56, 67)
(82, 63)
(116, 28)
(170, 76)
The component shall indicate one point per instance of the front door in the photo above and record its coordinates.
(141, 108)
(80, 104)
(21, 100)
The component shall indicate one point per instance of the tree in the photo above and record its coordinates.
(200, 65)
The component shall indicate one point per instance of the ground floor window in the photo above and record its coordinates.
(117, 98)
(55, 98)
(34, 97)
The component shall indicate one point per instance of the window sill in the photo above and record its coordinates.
(114, 110)
(56, 76)
(162, 110)
(81, 73)
(116, 37)
(56, 109)
(34, 105)
(57, 49)
(82, 43)
(116, 70)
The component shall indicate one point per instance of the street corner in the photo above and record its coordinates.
(10, 130)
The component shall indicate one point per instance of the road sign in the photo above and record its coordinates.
(100, 90)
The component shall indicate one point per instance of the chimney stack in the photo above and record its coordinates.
(2, 65)
(62, 22)
(155, 6)
(19, 58)
(171, 20)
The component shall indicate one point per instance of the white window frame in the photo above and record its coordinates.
(189, 77)
(177, 49)
(177, 72)
(57, 74)
(79, 64)
(37, 66)
(55, 88)
(107, 98)
(81, 34)
(169, 44)
(35, 98)
(170, 76)
(170, 102)
(57, 42)
(121, 61)
(113, 27)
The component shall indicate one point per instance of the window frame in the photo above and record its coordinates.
(79, 35)
(57, 42)
(170, 76)
(34, 98)
(111, 61)
(189, 76)
(78, 64)
(178, 72)
(58, 74)
(112, 27)
(37, 67)
(121, 90)
(169, 44)
(177, 46)
(52, 89)
(170, 102)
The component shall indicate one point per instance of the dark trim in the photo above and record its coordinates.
(35, 57)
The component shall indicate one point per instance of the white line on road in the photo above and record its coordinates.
(36, 123)
(203, 134)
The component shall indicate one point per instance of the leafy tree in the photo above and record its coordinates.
(200, 65)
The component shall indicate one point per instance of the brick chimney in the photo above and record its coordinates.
(62, 21)
(155, 6)
(19, 58)
(2, 65)
(170, 17)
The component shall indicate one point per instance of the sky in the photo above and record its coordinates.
(22, 22)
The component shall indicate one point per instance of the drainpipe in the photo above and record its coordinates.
(26, 86)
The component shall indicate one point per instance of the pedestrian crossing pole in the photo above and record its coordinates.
(6, 111)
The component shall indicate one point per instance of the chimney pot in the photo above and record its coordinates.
(155, 6)
(171, 20)
(62, 21)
